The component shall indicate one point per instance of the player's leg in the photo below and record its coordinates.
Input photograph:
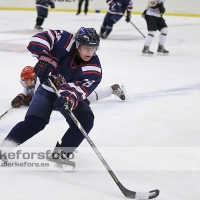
(104, 92)
(73, 137)
(42, 14)
(100, 93)
(103, 26)
(79, 7)
(152, 28)
(162, 27)
(114, 18)
(86, 6)
(37, 117)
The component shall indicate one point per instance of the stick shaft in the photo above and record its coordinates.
(6, 112)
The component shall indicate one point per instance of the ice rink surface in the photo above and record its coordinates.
(151, 141)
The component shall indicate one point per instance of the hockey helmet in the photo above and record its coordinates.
(27, 73)
(87, 37)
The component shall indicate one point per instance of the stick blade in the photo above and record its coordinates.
(138, 195)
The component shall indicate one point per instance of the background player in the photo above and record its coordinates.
(42, 11)
(116, 11)
(153, 16)
(80, 2)
(30, 83)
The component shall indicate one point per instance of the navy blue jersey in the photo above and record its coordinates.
(43, 3)
(123, 5)
(79, 80)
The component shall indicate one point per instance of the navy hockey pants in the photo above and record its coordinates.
(37, 117)
(42, 12)
(111, 19)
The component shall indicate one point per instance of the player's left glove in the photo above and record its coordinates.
(63, 104)
(18, 101)
(52, 5)
(161, 8)
(45, 66)
(128, 17)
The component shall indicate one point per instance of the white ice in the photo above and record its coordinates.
(151, 141)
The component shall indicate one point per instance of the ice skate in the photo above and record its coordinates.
(104, 35)
(146, 51)
(58, 159)
(120, 92)
(100, 35)
(161, 50)
(37, 27)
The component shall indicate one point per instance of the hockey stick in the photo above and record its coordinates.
(6, 112)
(136, 27)
(128, 193)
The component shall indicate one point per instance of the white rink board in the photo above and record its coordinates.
(177, 6)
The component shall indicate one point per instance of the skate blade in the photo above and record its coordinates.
(125, 92)
(162, 54)
(147, 55)
(65, 168)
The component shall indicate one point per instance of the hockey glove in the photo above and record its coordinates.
(128, 17)
(57, 80)
(27, 100)
(18, 101)
(63, 104)
(161, 8)
(44, 66)
(52, 5)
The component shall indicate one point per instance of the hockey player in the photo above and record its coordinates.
(42, 11)
(153, 16)
(80, 2)
(30, 83)
(116, 11)
(73, 58)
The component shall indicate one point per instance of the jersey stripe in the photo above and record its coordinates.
(91, 68)
(72, 39)
(41, 42)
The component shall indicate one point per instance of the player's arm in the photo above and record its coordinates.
(42, 46)
(81, 88)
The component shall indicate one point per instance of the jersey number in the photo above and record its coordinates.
(88, 83)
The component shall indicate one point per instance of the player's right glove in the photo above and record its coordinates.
(45, 66)
(52, 5)
(63, 104)
(18, 101)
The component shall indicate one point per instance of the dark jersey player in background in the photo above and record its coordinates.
(73, 59)
(116, 11)
(42, 11)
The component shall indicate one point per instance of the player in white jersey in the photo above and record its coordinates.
(30, 83)
(153, 16)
